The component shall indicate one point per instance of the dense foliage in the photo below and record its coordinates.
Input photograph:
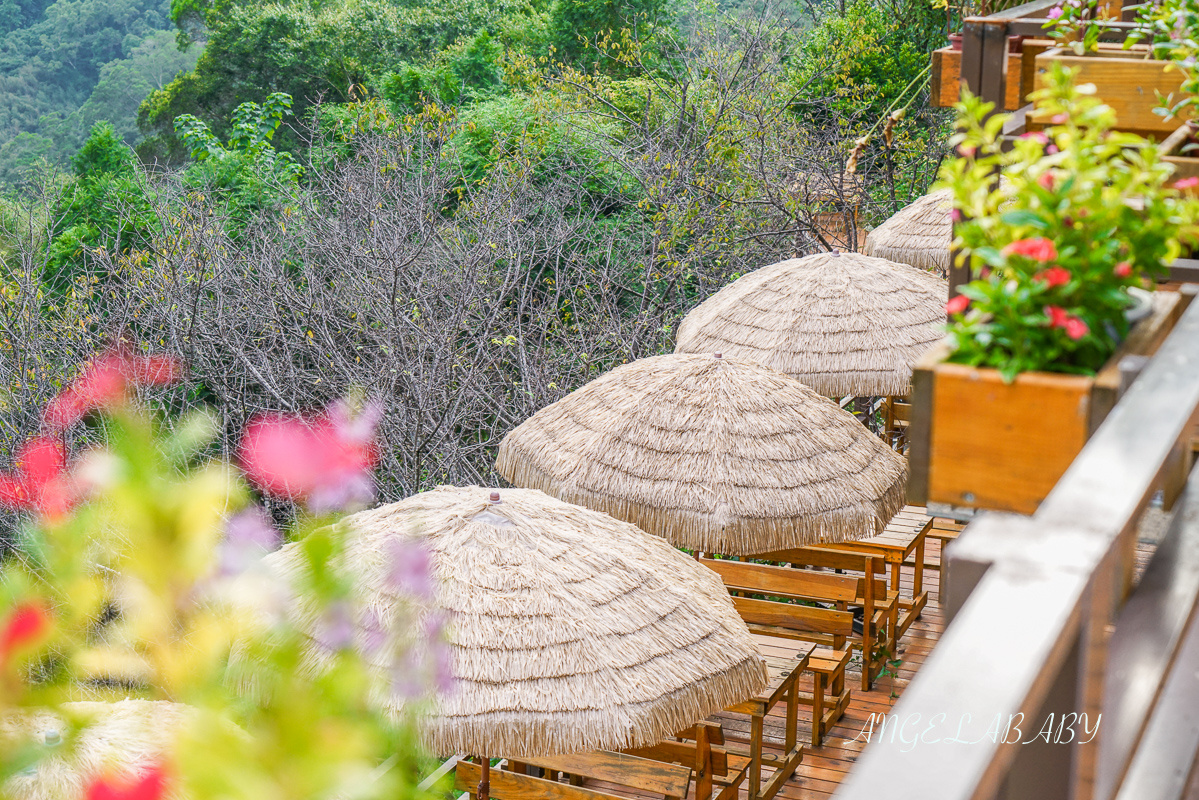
(457, 207)
(1084, 213)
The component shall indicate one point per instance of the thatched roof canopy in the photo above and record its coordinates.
(125, 739)
(715, 454)
(843, 324)
(568, 631)
(919, 234)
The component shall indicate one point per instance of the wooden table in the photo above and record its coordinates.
(669, 780)
(781, 686)
(904, 536)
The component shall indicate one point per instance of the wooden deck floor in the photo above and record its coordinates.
(823, 768)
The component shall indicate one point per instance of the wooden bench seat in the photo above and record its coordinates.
(512, 782)
(880, 606)
(718, 773)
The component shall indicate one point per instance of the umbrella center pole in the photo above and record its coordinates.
(483, 791)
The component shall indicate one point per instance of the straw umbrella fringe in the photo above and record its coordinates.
(843, 324)
(127, 738)
(568, 630)
(920, 234)
(711, 454)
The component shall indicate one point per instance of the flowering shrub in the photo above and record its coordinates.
(143, 552)
(1170, 28)
(1082, 214)
(1071, 25)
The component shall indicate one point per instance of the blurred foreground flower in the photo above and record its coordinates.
(105, 383)
(25, 626)
(324, 461)
(151, 786)
(40, 482)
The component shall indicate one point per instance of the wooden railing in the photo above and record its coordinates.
(1044, 620)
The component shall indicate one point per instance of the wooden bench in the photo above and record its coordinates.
(880, 606)
(897, 416)
(943, 529)
(718, 772)
(903, 537)
(511, 782)
(832, 627)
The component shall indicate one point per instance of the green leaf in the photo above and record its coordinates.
(1022, 217)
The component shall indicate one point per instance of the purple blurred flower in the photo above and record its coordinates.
(249, 535)
(337, 626)
(407, 677)
(411, 568)
(374, 636)
(357, 428)
(350, 490)
(1054, 13)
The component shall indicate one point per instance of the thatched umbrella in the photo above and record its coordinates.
(843, 324)
(569, 630)
(712, 453)
(126, 738)
(919, 234)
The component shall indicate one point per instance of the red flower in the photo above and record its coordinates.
(150, 786)
(1038, 249)
(1054, 276)
(105, 383)
(957, 305)
(27, 624)
(1122, 270)
(41, 481)
(1046, 181)
(1057, 316)
(326, 460)
(1076, 328)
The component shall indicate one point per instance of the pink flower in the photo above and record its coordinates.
(105, 383)
(1060, 119)
(1038, 249)
(25, 625)
(1186, 183)
(40, 482)
(1054, 13)
(955, 215)
(150, 786)
(1057, 316)
(1076, 328)
(967, 150)
(957, 305)
(1046, 181)
(1037, 136)
(1051, 149)
(1122, 270)
(325, 461)
(1054, 276)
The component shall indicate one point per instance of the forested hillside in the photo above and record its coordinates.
(67, 64)
(462, 208)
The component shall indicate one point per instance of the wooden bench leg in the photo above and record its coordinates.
(817, 708)
(755, 754)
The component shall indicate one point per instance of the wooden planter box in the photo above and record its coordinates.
(977, 442)
(1125, 80)
(946, 78)
(1185, 166)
